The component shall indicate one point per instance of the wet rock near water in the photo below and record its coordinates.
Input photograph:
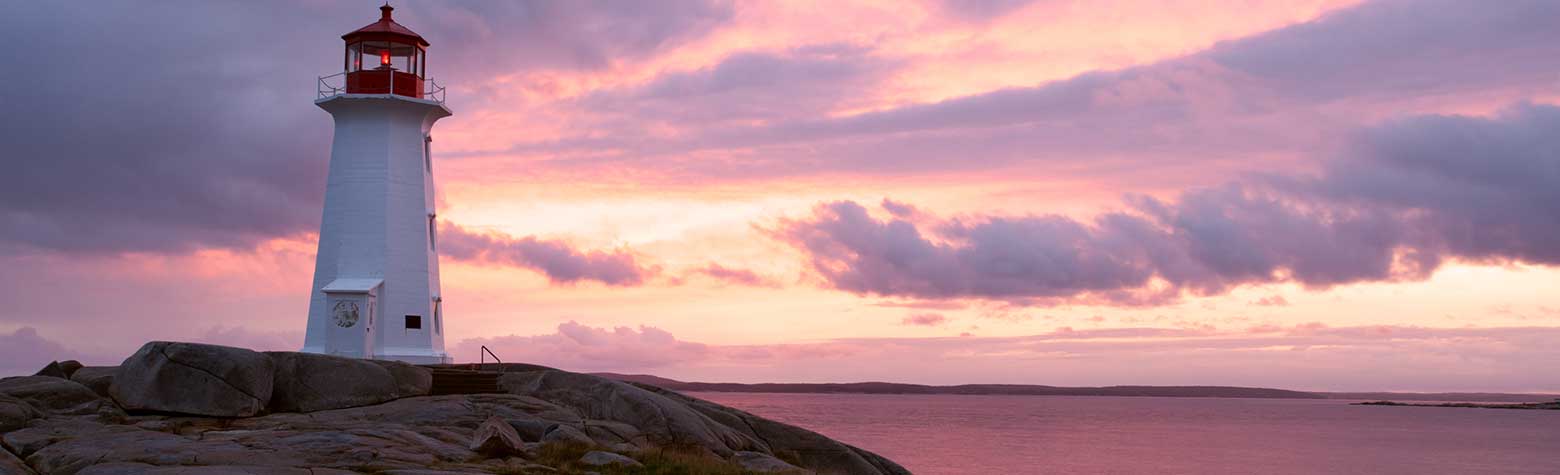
(181, 408)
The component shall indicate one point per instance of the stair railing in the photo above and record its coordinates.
(486, 353)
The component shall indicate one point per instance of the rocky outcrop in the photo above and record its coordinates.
(306, 382)
(496, 438)
(765, 463)
(10, 465)
(15, 412)
(547, 421)
(187, 378)
(809, 448)
(96, 378)
(52, 395)
(661, 421)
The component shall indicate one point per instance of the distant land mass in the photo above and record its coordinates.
(1042, 390)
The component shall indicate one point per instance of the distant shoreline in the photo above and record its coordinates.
(1042, 390)
(1543, 406)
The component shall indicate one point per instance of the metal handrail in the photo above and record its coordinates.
(482, 357)
(325, 89)
(432, 91)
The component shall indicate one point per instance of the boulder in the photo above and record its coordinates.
(560, 433)
(191, 378)
(597, 458)
(308, 382)
(96, 378)
(496, 439)
(661, 420)
(410, 380)
(15, 412)
(52, 370)
(70, 367)
(532, 429)
(52, 395)
(765, 463)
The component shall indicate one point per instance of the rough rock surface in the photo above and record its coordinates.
(76, 431)
(15, 412)
(53, 370)
(810, 448)
(496, 438)
(52, 395)
(566, 434)
(765, 463)
(10, 465)
(307, 382)
(96, 378)
(187, 378)
(661, 420)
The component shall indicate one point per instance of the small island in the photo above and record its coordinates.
(1552, 405)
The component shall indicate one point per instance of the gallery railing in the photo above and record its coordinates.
(327, 87)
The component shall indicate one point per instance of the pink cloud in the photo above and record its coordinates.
(580, 347)
(1271, 301)
(925, 319)
(737, 276)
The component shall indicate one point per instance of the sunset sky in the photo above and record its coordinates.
(1308, 194)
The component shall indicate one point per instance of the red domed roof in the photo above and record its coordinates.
(385, 30)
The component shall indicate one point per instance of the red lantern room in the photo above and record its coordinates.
(385, 58)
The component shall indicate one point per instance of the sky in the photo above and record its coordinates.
(1308, 194)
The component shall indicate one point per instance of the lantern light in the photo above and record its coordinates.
(384, 57)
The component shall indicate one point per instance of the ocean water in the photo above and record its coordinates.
(946, 434)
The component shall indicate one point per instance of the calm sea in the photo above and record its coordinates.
(937, 435)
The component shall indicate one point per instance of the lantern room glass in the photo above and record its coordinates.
(382, 55)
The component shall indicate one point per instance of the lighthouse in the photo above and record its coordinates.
(376, 275)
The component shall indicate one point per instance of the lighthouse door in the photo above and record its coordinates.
(351, 307)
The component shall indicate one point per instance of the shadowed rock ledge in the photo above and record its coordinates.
(183, 408)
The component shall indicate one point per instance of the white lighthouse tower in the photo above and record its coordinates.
(376, 277)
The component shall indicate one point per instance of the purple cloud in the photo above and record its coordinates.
(24, 352)
(1411, 194)
(1286, 91)
(558, 260)
(192, 146)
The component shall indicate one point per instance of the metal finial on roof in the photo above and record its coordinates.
(384, 11)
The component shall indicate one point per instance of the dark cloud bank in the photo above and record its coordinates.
(171, 126)
(1407, 197)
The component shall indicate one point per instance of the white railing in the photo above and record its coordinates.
(325, 88)
(433, 91)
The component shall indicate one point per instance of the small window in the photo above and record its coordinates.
(433, 231)
(438, 311)
(414, 322)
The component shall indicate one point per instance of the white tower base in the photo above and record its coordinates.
(376, 276)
